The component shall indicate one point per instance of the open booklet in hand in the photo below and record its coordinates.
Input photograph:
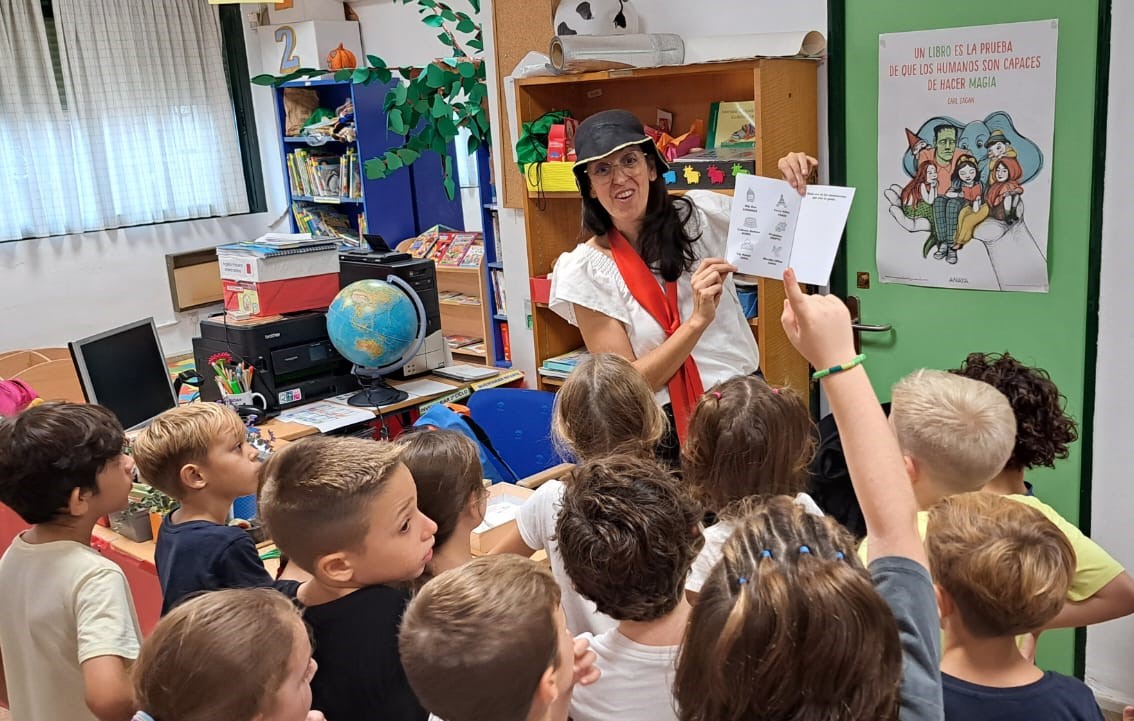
(773, 227)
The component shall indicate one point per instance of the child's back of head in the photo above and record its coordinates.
(1005, 566)
(450, 481)
(747, 438)
(49, 450)
(318, 497)
(606, 406)
(479, 642)
(1043, 428)
(958, 432)
(784, 626)
(234, 654)
(181, 436)
(628, 534)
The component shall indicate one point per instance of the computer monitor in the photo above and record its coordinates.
(124, 370)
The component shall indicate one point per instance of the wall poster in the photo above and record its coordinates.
(965, 124)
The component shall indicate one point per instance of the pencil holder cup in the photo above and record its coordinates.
(247, 398)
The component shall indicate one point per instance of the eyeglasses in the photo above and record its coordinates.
(631, 164)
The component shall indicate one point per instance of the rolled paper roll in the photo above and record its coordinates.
(584, 53)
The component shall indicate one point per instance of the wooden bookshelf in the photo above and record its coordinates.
(786, 96)
(466, 318)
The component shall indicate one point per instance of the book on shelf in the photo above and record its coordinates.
(505, 341)
(551, 373)
(460, 341)
(439, 248)
(328, 222)
(458, 246)
(566, 362)
(477, 348)
(473, 256)
(324, 175)
(498, 291)
(732, 124)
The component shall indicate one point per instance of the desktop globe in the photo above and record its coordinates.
(378, 326)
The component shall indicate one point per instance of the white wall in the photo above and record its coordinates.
(1110, 647)
(57, 289)
(685, 18)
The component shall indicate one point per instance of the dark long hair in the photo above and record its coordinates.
(664, 244)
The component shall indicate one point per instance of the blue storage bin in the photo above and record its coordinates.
(748, 296)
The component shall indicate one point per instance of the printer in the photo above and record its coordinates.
(421, 275)
(293, 356)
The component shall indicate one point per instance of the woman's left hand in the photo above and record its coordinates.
(797, 168)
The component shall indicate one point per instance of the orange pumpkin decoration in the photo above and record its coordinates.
(340, 58)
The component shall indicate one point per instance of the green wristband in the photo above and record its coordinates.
(857, 360)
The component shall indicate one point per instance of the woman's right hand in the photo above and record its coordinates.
(708, 284)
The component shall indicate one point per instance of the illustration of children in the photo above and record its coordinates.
(967, 182)
(1004, 193)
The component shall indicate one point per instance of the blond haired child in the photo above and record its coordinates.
(1101, 589)
(788, 623)
(450, 491)
(1001, 569)
(745, 439)
(628, 533)
(955, 435)
(345, 511)
(465, 669)
(237, 655)
(605, 406)
(68, 630)
(198, 454)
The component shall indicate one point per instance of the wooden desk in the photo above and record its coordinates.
(288, 431)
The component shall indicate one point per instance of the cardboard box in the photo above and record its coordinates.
(710, 169)
(313, 292)
(541, 289)
(550, 177)
(235, 265)
(504, 501)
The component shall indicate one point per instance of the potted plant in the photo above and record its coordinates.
(157, 504)
(430, 105)
(133, 522)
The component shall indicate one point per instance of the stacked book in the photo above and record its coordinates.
(279, 273)
(324, 176)
(560, 366)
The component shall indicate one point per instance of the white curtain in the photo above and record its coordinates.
(144, 131)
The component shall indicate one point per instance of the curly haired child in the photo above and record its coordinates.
(745, 439)
(604, 407)
(1101, 589)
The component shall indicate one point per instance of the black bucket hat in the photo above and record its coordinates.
(607, 132)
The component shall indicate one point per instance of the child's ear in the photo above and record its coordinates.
(547, 690)
(191, 477)
(945, 605)
(912, 469)
(334, 567)
(78, 502)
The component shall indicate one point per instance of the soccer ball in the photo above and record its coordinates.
(596, 17)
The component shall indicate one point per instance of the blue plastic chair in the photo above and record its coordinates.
(518, 421)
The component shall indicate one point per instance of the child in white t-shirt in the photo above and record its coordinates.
(68, 630)
(628, 533)
(605, 406)
(746, 439)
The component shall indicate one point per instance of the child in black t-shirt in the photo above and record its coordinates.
(199, 455)
(1002, 569)
(345, 510)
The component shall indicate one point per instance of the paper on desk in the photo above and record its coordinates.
(772, 227)
(327, 416)
(500, 510)
(425, 387)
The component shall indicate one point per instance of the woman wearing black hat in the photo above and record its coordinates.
(651, 284)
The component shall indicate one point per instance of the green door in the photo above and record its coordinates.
(935, 327)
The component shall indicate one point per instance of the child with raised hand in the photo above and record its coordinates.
(345, 511)
(605, 406)
(1001, 569)
(1101, 589)
(237, 655)
(628, 533)
(488, 641)
(745, 439)
(788, 624)
(68, 630)
(198, 454)
(450, 491)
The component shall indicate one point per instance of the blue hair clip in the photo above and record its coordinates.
(839, 555)
(142, 716)
(804, 549)
(742, 580)
(765, 553)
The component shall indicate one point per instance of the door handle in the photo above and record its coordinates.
(852, 303)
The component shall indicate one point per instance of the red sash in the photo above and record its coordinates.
(685, 387)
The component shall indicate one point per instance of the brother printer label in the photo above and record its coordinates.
(295, 394)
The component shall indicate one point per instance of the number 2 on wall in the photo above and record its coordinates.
(288, 62)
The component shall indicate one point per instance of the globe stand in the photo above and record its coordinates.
(377, 392)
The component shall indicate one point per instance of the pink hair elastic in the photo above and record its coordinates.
(776, 391)
(717, 395)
